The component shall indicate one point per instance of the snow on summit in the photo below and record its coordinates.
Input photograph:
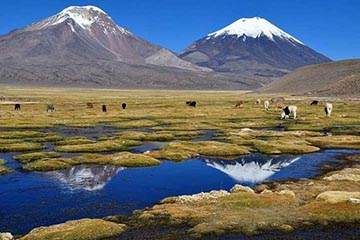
(83, 16)
(254, 28)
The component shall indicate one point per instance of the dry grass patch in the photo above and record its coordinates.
(179, 151)
(101, 146)
(123, 159)
(3, 169)
(29, 157)
(84, 229)
(341, 141)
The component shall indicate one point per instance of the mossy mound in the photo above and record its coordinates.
(145, 136)
(29, 157)
(290, 146)
(338, 141)
(101, 146)
(21, 147)
(180, 151)
(272, 142)
(140, 123)
(3, 169)
(74, 141)
(83, 229)
(21, 134)
(123, 159)
(33, 136)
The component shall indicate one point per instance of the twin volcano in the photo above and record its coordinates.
(83, 46)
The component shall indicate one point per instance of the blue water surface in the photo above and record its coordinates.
(29, 200)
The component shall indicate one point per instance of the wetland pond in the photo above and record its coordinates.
(32, 199)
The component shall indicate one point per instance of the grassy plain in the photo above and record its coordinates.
(157, 115)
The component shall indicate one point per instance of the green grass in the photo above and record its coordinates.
(29, 157)
(145, 136)
(74, 141)
(78, 229)
(123, 159)
(21, 147)
(180, 151)
(101, 146)
(169, 119)
(3, 169)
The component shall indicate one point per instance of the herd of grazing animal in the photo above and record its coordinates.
(287, 110)
(279, 105)
(51, 107)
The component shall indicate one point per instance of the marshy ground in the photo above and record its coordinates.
(75, 135)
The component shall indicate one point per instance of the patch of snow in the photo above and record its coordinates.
(253, 28)
(85, 17)
(81, 15)
(71, 27)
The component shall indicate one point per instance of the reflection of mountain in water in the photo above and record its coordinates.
(252, 169)
(86, 177)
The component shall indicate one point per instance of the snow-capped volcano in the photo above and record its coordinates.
(82, 16)
(251, 46)
(253, 28)
(88, 38)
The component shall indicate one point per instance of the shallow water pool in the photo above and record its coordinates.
(34, 199)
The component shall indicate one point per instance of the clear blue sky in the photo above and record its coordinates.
(331, 27)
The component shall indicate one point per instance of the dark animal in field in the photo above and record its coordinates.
(2, 98)
(17, 106)
(287, 111)
(123, 105)
(239, 104)
(280, 106)
(50, 107)
(89, 105)
(104, 108)
(314, 103)
(258, 101)
(191, 103)
(277, 99)
(328, 109)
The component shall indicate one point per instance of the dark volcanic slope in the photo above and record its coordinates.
(251, 46)
(335, 78)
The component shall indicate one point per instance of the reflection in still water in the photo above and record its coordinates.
(86, 177)
(251, 169)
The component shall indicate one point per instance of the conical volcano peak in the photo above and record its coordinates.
(83, 9)
(83, 16)
(253, 27)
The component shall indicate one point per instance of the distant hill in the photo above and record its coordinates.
(338, 78)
